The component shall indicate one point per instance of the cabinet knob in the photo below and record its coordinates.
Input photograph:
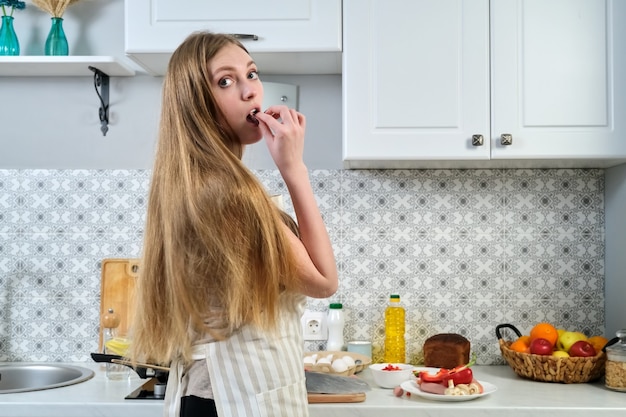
(477, 140)
(506, 139)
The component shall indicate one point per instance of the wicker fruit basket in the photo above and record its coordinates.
(547, 368)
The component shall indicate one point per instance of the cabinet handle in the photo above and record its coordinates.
(477, 140)
(245, 36)
(506, 139)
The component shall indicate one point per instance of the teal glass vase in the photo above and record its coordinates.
(9, 45)
(56, 43)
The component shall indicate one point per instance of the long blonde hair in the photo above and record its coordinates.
(214, 249)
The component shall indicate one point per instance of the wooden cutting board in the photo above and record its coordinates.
(117, 288)
(336, 398)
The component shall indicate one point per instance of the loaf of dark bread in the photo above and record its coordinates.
(446, 350)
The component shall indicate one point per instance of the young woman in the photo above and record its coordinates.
(225, 274)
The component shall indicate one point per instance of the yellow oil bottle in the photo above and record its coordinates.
(395, 349)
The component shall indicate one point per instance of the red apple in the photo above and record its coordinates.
(541, 346)
(582, 348)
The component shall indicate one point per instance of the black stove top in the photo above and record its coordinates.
(150, 390)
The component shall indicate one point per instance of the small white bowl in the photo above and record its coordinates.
(391, 379)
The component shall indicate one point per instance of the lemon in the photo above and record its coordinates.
(117, 346)
(560, 354)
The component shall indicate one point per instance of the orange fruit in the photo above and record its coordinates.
(545, 331)
(522, 344)
(598, 342)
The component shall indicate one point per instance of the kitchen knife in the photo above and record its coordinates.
(320, 383)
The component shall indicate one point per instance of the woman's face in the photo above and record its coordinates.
(238, 91)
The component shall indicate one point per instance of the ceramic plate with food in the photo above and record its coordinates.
(413, 388)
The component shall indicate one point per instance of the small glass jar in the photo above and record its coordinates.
(615, 377)
(110, 322)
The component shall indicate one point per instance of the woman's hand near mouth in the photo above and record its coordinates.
(283, 129)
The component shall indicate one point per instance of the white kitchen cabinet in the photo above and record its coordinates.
(423, 80)
(292, 36)
(415, 81)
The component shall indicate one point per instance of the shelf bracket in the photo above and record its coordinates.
(100, 79)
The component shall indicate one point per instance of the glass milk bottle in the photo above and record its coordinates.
(335, 322)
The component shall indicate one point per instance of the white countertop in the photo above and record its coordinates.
(99, 397)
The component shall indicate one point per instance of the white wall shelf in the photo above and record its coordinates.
(54, 66)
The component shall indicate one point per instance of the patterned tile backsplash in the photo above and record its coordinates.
(465, 249)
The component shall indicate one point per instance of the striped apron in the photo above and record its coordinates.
(252, 373)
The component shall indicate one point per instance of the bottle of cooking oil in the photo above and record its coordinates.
(395, 351)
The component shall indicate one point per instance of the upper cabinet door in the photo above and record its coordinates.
(424, 80)
(415, 81)
(292, 36)
(558, 70)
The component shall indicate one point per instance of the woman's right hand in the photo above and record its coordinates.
(283, 129)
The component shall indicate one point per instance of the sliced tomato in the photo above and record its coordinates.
(437, 378)
(463, 376)
(460, 375)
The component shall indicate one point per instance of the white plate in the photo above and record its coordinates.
(413, 388)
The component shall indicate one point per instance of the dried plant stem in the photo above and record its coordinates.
(56, 8)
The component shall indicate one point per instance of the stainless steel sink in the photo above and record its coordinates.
(34, 377)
